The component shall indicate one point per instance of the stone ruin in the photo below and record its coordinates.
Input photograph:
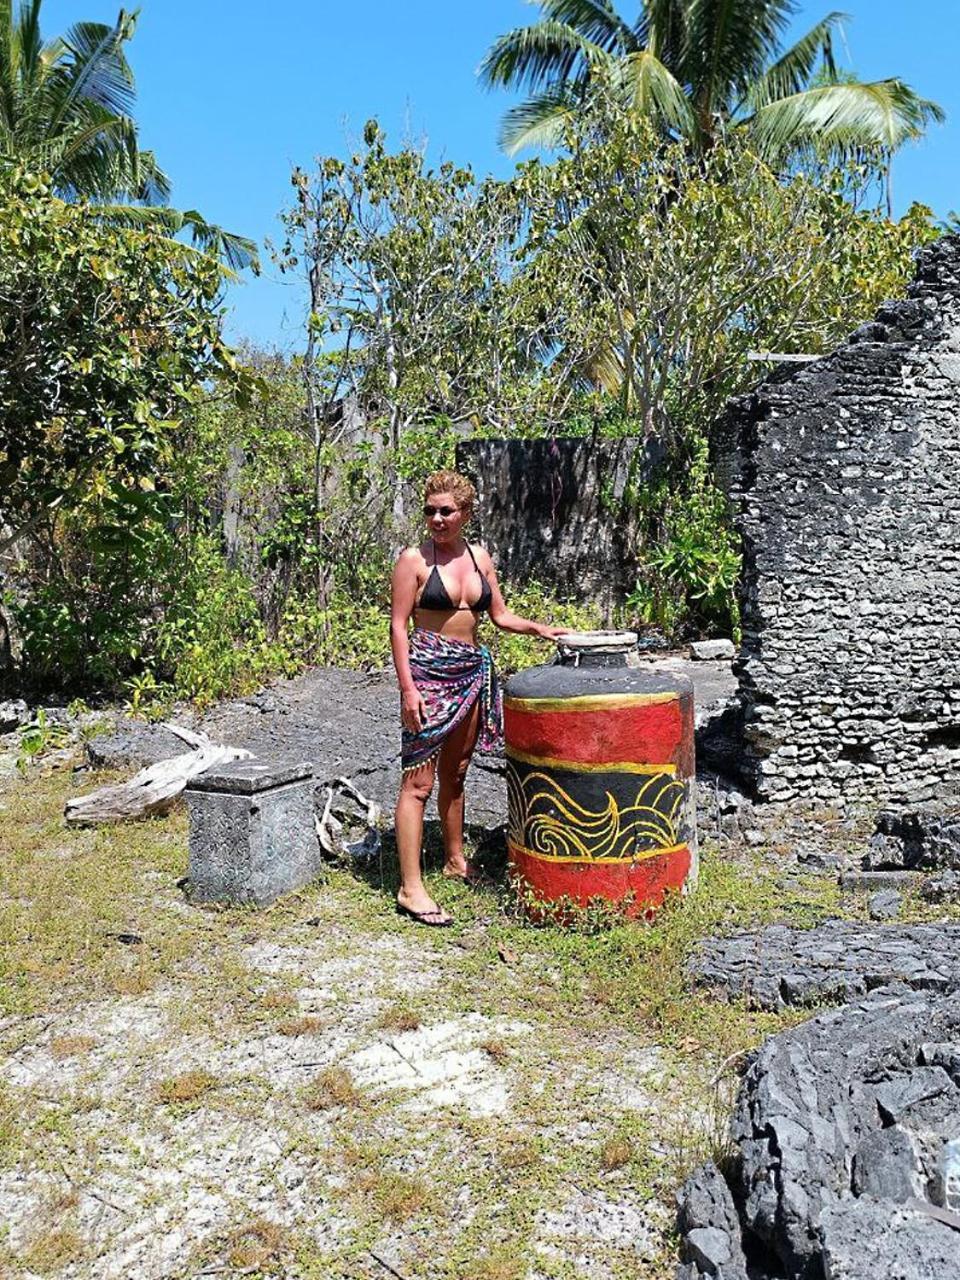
(574, 533)
(844, 1161)
(846, 473)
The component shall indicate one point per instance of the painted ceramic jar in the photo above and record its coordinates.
(600, 777)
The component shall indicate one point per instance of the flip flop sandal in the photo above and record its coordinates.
(436, 919)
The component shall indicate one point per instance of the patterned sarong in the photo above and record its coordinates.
(450, 677)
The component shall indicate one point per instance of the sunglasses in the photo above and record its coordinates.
(446, 512)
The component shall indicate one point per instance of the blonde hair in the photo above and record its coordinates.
(452, 482)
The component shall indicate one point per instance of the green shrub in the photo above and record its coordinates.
(348, 633)
(687, 577)
(515, 653)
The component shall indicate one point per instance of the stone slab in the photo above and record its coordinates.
(871, 881)
(712, 650)
(248, 777)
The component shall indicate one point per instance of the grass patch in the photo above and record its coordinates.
(307, 1025)
(519, 1151)
(59, 915)
(186, 1087)
(501, 1264)
(399, 1017)
(332, 1088)
(615, 1153)
(398, 1196)
(496, 1049)
(71, 1046)
(255, 1245)
(55, 1245)
(283, 1001)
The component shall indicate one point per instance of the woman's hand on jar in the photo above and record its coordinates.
(413, 710)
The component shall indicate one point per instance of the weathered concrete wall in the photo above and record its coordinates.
(551, 510)
(847, 476)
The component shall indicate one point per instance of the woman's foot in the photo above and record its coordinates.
(462, 869)
(421, 907)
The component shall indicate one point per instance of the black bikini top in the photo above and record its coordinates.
(435, 595)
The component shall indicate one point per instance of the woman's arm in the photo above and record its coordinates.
(502, 617)
(403, 597)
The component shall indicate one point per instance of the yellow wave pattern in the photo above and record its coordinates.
(548, 821)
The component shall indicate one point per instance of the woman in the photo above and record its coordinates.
(448, 688)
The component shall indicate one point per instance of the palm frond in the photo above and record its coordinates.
(29, 43)
(535, 56)
(154, 187)
(98, 157)
(662, 28)
(595, 20)
(728, 44)
(540, 121)
(7, 66)
(650, 89)
(97, 69)
(605, 368)
(882, 113)
(792, 71)
(235, 253)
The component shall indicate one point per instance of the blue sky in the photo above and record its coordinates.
(233, 93)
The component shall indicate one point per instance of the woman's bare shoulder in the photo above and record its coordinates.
(411, 556)
(482, 555)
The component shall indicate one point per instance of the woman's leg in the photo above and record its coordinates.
(454, 759)
(414, 794)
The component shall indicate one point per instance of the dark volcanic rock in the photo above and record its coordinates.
(13, 715)
(887, 1165)
(915, 840)
(842, 1128)
(133, 742)
(838, 961)
(708, 1222)
(812, 1125)
(885, 905)
(944, 887)
(871, 1239)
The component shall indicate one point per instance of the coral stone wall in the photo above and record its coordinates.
(847, 478)
(553, 510)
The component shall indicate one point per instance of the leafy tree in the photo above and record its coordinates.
(410, 307)
(697, 67)
(667, 271)
(66, 110)
(106, 338)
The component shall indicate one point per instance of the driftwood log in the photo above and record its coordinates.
(154, 789)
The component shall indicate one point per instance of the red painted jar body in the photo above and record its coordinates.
(600, 777)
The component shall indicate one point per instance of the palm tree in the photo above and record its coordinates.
(65, 110)
(697, 67)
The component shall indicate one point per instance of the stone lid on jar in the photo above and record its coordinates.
(586, 642)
